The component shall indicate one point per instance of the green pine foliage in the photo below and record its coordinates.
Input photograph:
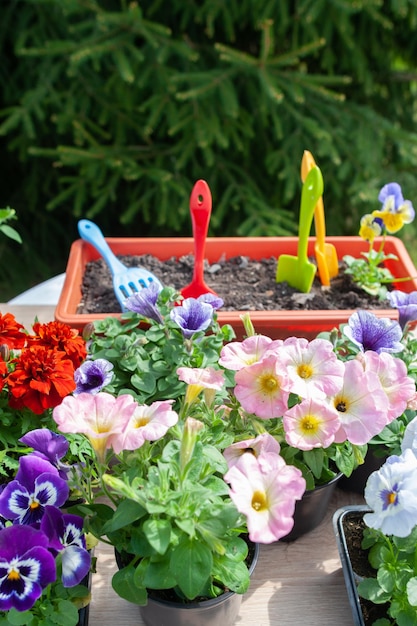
(112, 109)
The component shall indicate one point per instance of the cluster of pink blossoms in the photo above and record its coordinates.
(338, 400)
(335, 401)
(114, 423)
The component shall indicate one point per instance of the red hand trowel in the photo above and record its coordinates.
(200, 209)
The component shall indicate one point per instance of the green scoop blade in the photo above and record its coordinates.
(297, 271)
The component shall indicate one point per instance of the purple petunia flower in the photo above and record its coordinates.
(144, 302)
(93, 376)
(65, 533)
(37, 484)
(192, 316)
(406, 303)
(210, 298)
(26, 567)
(374, 333)
(49, 446)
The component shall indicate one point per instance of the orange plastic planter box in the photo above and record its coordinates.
(276, 324)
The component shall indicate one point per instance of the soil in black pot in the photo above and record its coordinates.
(244, 284)
(353, 526)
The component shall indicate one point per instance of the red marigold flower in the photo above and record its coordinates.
(3, 373)
(11, 332)
(41, 379)
(61, 337)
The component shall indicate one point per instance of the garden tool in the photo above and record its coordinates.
(298, 271)
(326, 254)
(200, 209)
(126, 280)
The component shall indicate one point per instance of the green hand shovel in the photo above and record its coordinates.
(297, 271)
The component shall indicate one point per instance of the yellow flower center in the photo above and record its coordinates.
(268, 384)
(140, 422)
(34, 505)
(305, 370)
(391, 498)
(341, 404)
(309, 425)
(259, 501)
(393, 221)
(13, 575)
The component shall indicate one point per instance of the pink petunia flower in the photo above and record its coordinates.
(311, 424)
(361, 404)
(313, 368)
(266, 498)
(392, 373)
(199, 379)
(261, 388)
(101, 417)
(261, 447)
(238, 354)
(148, 423)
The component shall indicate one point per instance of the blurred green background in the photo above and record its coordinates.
(112, 109)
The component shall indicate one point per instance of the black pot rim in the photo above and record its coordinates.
(329, 482)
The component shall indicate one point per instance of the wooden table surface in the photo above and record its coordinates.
(294, 584)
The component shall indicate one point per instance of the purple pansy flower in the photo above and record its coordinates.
(391, 197)
(65, 533)
(391, 495)
(49, 446)
(37, 484)
(26, 567)
(374, 333)
(93, 376)
(393, 202)
(144, 302)
(406, 303)
(192, 316)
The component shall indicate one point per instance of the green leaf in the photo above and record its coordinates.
(19, 618)
(386, 578)
(234, 576)
(158, 533)
(11, 233)
(126, 513)
(123, 582)
(158, 575)
(191, 564)
(314, 459)
(67, 614)
(412, 591)
(370, 589)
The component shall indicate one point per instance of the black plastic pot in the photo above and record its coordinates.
(220, 611)
(84, 613)
(311, 509)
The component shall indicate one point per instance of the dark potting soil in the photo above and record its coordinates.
(243, 284)
(353, 526)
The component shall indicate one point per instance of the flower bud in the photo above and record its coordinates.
(4, 352)
(247, 324)
(189, 437)
(88, 330)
